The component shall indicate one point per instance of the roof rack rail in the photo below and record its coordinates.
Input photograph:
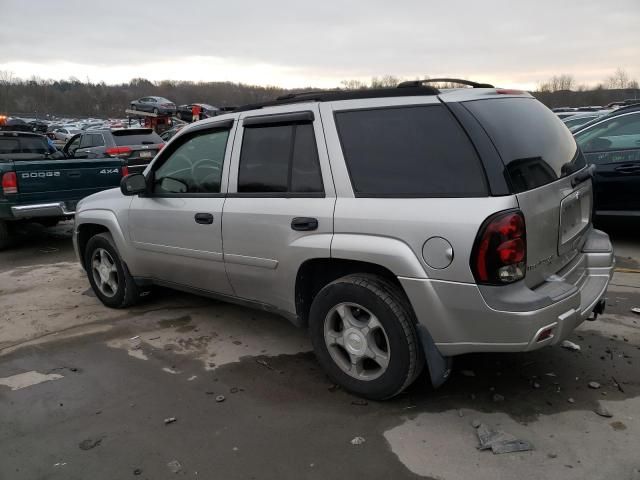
(417, 83)
(335, 95)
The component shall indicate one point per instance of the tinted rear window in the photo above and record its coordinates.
(409, 152)
(9, 145)
(536, 147)
(136, 138)
(34, 145)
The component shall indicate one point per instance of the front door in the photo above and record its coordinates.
(177, 227)
(279, 210)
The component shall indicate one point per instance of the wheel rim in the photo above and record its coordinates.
(105, 273)
(357, 341)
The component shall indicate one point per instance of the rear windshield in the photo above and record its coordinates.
(536, 147)
(136, 137)
(417, 151)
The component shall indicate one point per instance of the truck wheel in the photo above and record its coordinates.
(111, 281)
(5, 235)
(363, 334)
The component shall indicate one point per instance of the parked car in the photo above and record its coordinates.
(576, 121)
(136, 146)
(184, 112)
(612, 144)
(39, 185)
(402, 226)
(65, 133)
(157, 105)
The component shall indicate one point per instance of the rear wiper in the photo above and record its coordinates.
(583, 176)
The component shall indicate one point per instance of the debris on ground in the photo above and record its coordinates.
(552, 455)
(636, 310)
(358, 441)
(264, 363)
(617, 384)
(571, 400)
(89, 443)
(499, 441)
(360, 402)
(618, 426)
(468, 373)
(169, 420)
(603, 412)
(175, 466)
(476, 423)
(192, 378)
(594, 385)
(570, 345)
(137, 471)
(220, 398)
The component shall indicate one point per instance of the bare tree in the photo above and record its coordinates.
(558, 83)
(620, 79)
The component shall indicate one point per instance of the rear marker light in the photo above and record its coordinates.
(499, 253)
(9, 183)
(545, 334)
(125, 171)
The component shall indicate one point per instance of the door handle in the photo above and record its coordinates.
(302, 224)
(628, 169)
(204, 218)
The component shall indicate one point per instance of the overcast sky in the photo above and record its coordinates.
(298, 43)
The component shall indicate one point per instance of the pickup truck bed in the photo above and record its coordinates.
(41, 187)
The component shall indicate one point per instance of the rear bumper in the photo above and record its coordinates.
(464, 318)
(39, 210)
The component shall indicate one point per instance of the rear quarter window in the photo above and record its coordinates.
(535, 146)
(416, 151)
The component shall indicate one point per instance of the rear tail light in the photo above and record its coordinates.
(125, 171)
(499, 253)
(9, 183)
(119, 152)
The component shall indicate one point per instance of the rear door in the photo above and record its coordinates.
(540, 158)
(613, 146)
(279, 210)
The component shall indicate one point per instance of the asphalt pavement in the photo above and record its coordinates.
(182, 386)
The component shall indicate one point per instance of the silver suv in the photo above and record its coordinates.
(401, 226)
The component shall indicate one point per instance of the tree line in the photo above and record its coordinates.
(74, 98)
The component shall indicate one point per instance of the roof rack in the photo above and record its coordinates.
(417, 83)
(334, 95)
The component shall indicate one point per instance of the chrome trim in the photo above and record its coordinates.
(56, 209)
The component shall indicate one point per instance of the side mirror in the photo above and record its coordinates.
(133, 184)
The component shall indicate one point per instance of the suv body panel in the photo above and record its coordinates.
(261, 254)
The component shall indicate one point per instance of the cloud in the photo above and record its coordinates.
(302, 43)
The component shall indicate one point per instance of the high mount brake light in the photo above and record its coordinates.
(508, 91)
(9, 183)
(500, 250)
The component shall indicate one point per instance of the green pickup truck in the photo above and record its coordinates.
(39, 184)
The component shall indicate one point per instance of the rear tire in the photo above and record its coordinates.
(109, 278)
(6, 238)
(363, 334)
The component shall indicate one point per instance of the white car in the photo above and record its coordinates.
(65, 134)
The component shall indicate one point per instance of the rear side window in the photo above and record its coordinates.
(9, 145)
(124, 137)
(279, 158)
(34, 145)
(535, 146)
(409, 152)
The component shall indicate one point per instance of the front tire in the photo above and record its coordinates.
(109, 278)
(363, 334)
